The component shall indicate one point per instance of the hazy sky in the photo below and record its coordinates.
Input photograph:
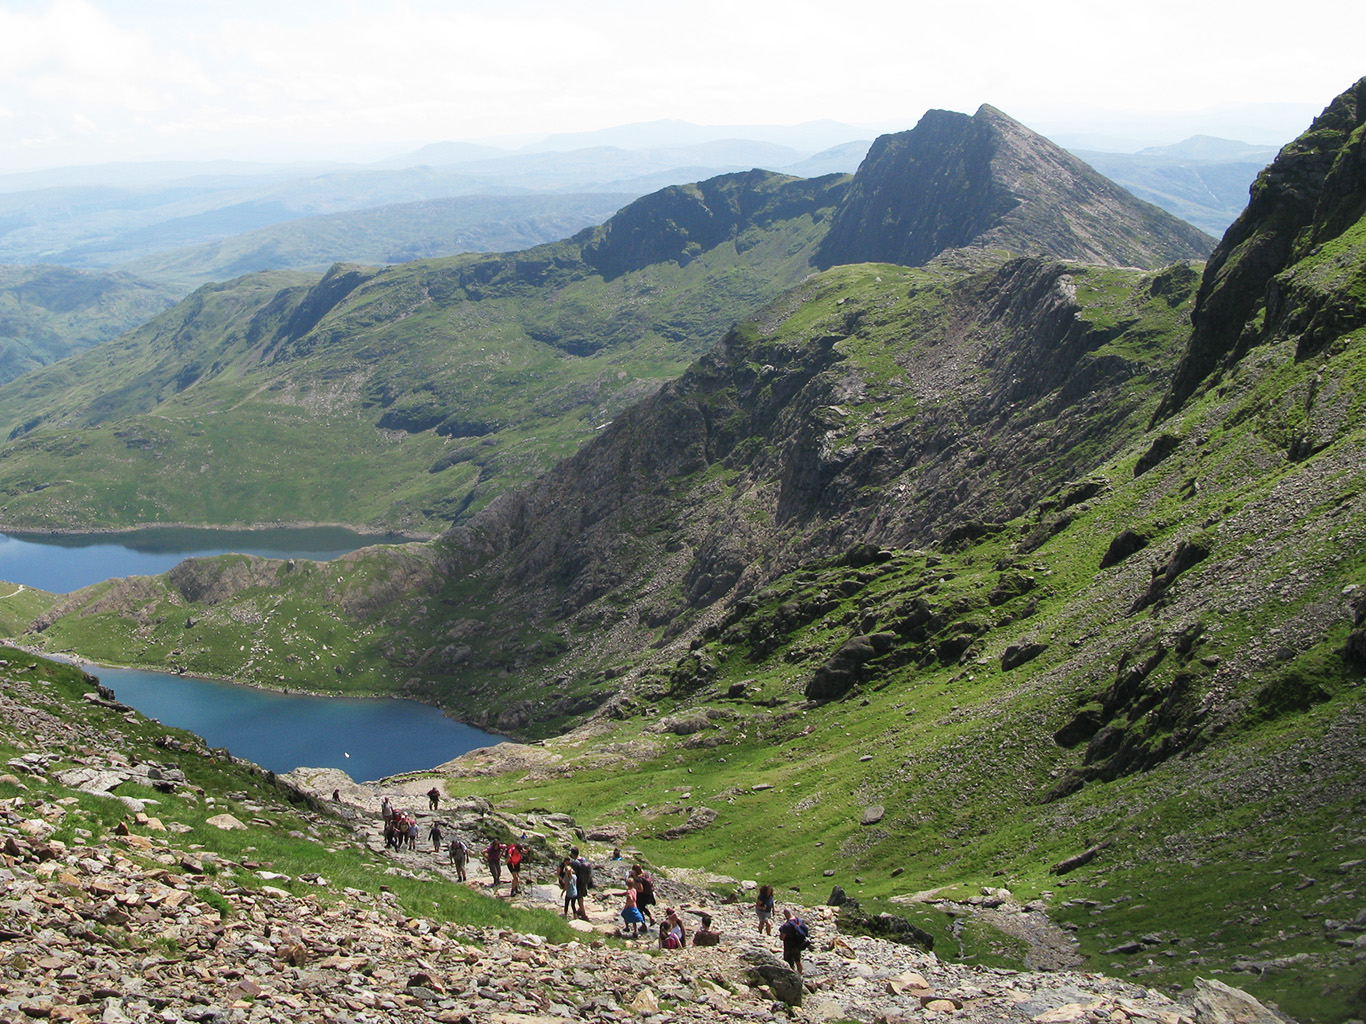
(87, 81)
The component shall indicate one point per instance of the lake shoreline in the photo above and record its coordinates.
(478, 736)
(115, 531)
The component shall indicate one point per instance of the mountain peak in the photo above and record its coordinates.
(989, 182)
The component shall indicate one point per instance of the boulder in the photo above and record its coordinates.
(1018, 654)
(764, 969)
(225, 821)
(1217, 1003)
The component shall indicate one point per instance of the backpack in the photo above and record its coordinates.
(804, 934)
(671, 941)
(583, 872)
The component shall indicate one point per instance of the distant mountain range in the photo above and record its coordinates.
(500, 365)
(133, 217)
(1202, 180)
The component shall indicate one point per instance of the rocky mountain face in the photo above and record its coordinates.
(988, 182)
(1310, 197)
(884, 409)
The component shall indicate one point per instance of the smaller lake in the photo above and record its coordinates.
(366, 738)
(61, 563)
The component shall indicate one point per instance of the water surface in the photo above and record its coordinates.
(368, 738)
(65, 562)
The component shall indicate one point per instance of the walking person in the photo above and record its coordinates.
(433, 797)
(796, 939)
(515, 867)
(583, 877)
(630, 913)
(569, 883)
(645, 887)
(493, 857)
(460, 854)
(763, 908)
(435, 835)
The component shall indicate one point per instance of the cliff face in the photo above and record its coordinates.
(1311, 194)
(874, 407)
(989, 182)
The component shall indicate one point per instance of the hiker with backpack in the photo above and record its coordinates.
(645, 892)
(763, 907)
(569, 883)
(460, 855)
(434, 834)
(493, 857)
(796, 939)
(583, 878)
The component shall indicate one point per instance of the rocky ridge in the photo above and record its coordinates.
(987, 182)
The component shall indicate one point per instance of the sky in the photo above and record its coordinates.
(95, 81)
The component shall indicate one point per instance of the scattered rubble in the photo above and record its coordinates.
(134, 926)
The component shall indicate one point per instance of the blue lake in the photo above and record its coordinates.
(366, 738)
(61, 563)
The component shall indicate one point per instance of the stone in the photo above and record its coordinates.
(225, 821)
(872, 814)
(764, 969)
(644, 1002)
(1218, 1003)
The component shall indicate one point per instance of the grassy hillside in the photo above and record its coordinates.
(48, 313)
(402, 398)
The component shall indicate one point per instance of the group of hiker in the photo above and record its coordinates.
(401, 833)
(400, 828)
(575, 879)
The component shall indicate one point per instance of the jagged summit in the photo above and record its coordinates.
(987, 181)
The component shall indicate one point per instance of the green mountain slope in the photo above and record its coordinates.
(48, 313)
(932, 579)
(404, 396)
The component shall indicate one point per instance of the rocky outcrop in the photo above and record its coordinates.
(1312, 192)
(1012, 386)
(988, 182)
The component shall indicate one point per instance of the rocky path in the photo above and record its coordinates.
(845, 977)
(131, 925)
